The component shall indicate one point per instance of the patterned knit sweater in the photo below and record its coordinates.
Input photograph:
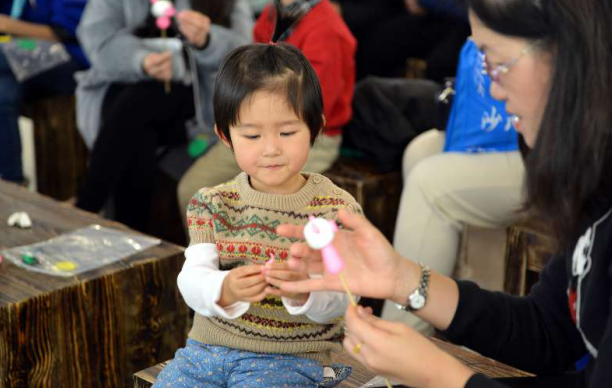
(242, 222)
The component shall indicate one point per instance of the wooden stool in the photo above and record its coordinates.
(378, 194)
(61, 154)
(529, 248)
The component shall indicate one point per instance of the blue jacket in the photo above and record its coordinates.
(64, 14)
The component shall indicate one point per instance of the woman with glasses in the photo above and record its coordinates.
(551, 63)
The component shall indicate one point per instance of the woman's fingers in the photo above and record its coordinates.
(304, 286)
(355, 222)
(280, 274)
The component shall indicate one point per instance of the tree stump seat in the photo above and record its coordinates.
(529, 248)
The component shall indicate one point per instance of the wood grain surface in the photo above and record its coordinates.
(91, 330)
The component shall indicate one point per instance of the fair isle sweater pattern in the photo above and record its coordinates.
(242, 223)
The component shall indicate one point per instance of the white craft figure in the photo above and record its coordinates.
(319, 234)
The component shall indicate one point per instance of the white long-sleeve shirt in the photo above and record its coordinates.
(200, 282)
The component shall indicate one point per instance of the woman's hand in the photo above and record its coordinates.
(396, 351)
(371, 266)
(158, 66)
(194, 26)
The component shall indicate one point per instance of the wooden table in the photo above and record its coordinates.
(360, 375)
(92, 330)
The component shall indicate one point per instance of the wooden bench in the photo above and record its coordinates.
(360, 375)
(95, 329)
(529, 248)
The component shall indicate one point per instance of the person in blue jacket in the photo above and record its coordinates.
(54, 20)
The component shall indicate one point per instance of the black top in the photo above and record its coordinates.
(538, 333)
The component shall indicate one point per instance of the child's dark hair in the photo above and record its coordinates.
(276, 68)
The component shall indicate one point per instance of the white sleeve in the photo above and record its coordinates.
(201, 282)
(321, 306)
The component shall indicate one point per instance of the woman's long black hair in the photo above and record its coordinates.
(569, 168)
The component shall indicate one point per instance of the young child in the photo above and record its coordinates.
(318, 31)
(246, 333)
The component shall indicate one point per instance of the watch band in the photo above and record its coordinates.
(418, 298)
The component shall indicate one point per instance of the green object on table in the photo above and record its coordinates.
(27, 44)
(29, 259)
(198, 146)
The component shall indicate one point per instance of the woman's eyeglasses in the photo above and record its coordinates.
(495, 72)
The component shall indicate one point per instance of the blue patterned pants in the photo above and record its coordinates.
(203, 366)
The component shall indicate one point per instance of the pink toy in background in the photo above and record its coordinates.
(163, 10)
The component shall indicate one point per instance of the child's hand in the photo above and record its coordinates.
(276, 273)
(243, 284)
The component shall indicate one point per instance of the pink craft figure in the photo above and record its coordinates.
(319, 234)
(163, 10)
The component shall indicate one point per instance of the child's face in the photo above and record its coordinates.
(271, 144)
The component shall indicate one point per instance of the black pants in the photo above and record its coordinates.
(136, 120)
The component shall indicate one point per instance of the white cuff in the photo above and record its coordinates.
(232, 311)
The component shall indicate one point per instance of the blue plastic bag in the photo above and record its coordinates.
(477, 122)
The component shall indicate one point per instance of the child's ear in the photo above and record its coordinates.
(224, 139)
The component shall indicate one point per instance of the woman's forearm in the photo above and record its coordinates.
(27, 29)
(442, 298)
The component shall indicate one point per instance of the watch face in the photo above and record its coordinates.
(417, 301)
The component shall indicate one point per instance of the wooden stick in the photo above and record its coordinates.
(166, 83)
(348, 291)
(354, 304)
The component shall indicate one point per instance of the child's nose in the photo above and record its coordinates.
(272, 147)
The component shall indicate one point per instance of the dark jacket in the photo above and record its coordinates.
(567, 315)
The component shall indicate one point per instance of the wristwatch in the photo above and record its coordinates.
(418, 298)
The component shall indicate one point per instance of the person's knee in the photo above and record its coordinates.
(421, 147)
(422, 177)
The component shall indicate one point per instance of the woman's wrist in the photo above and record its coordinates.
(456, 374)
(407, 280)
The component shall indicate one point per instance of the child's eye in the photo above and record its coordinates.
(251, 137)
(287, 134)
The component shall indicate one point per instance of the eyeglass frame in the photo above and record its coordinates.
(496, 72)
